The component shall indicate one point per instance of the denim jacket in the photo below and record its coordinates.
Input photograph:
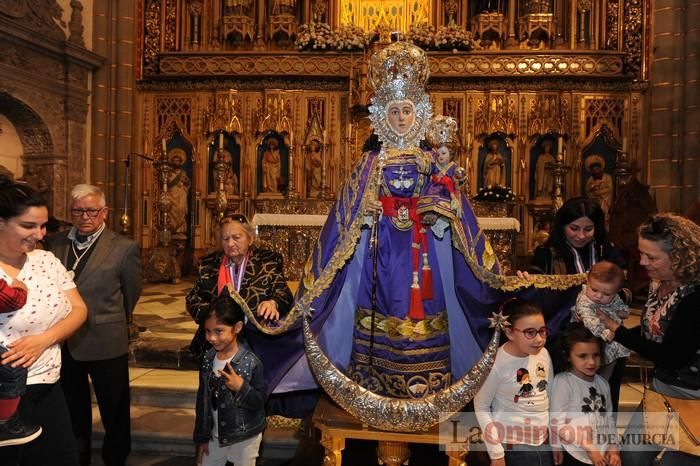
(241, 414)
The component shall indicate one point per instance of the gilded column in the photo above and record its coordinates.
(261, 15)
(573, 31)
(306, 12)
(511, 41)
(559, 23)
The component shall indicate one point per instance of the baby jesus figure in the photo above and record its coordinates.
(442, 194)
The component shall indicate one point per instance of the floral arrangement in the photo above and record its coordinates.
(320, 37)
(314, 36)
(422, 35)
(350, 37)
(450, 37)
(495, 194)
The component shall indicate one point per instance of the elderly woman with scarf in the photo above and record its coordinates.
(253, 273)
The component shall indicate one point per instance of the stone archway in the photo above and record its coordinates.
(40, 171)
(45, 92)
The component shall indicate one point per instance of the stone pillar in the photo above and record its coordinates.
(112, 101)
(674, 164)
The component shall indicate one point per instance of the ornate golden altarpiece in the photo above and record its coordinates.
(216, 82)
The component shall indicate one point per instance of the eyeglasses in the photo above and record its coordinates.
(92, 213)
(530, 333)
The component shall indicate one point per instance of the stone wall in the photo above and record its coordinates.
(44, 93)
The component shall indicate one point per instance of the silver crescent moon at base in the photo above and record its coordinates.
(395, 414)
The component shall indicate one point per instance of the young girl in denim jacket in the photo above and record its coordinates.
(230, 412)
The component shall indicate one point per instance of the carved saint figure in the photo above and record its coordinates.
(494, 166)
(237, 8)
(544, 181)
(284, 7)
(230, 179)
(599, 186)
(231, 183)
(314, 164)
(179, 189)
(319, 8)
(271, 167)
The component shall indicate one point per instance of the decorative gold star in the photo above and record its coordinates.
(498, 320)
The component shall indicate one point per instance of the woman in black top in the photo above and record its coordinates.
(578, 240)
(669, 249)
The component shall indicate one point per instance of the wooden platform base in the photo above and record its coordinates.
(336, 426)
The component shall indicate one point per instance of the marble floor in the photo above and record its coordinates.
(161, 310)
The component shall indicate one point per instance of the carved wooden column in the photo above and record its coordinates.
(393, 453)
(595, 25)
(572, 24)
(457, 457)
(559, 24)
(195, 11)
(512, 40)
(333, 455)
(260, 16)
(306, 12)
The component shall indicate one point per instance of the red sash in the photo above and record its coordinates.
(404, 208)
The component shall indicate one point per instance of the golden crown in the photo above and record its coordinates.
(400, 69)
(442, 130)
(399, 72)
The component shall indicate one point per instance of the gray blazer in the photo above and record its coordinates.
(110, 284)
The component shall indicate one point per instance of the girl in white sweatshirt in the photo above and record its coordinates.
(512, 406)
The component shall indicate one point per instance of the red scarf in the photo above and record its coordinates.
(224, 278)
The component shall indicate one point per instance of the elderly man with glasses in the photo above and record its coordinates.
(106, 268)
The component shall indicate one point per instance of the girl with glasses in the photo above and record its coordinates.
(515, 394)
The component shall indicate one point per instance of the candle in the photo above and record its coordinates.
(469, 140)
(221, 141)
(560, 145)
(165, 145)
(291, 162)
(624, 144)
(324, 136)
